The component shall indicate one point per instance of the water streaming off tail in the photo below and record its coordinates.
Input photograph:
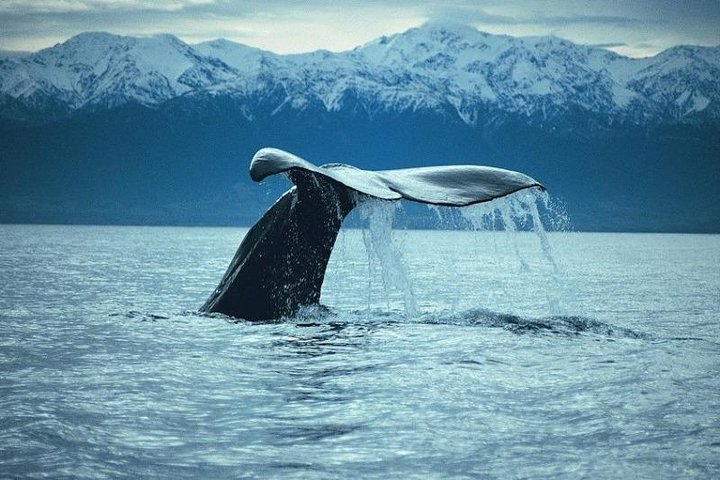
(519, 214)
(512, 255)
(384, 252)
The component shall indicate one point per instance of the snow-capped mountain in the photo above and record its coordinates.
(447, 69)
(99, 70)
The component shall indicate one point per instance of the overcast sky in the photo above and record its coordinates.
(631, 27)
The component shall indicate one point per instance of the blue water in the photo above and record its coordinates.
(601, 361)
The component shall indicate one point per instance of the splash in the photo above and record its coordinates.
(502, 247)
(383, 252)
(521, 212)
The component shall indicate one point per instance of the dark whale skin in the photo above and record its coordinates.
(281, 263)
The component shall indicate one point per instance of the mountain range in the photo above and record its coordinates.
(110, 129)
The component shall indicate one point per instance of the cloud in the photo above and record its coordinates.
(479, 15)
(586, 20)
(276, 25)
(608, 45)
(24, 7)
(287, 26)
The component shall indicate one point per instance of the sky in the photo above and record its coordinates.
(631, 27)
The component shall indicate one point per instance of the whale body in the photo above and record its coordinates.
(280, 265)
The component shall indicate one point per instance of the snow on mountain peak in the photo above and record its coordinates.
(439, 66)
(239, 56)
(105, 70)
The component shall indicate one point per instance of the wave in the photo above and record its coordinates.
(567, 325)
(323, 316)
(143, 316)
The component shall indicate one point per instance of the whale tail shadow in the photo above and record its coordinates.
(280, 265)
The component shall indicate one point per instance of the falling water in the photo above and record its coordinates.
(517, 213)
(383, 251)
(510, 229)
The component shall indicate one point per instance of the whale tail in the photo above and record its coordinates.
(280, 264)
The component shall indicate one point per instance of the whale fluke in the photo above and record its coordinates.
(280, 264)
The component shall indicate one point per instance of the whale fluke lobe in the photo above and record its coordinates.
(280, 264)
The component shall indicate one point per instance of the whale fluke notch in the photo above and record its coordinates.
(280, 264)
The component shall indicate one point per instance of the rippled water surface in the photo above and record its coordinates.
(602, 361)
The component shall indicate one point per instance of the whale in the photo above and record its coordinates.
(280, 264)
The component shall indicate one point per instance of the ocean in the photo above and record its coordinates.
(454, 354)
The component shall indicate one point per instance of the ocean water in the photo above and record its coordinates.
(465, 355)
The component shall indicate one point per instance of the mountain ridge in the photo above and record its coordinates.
(456, 70)
(110, 129)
